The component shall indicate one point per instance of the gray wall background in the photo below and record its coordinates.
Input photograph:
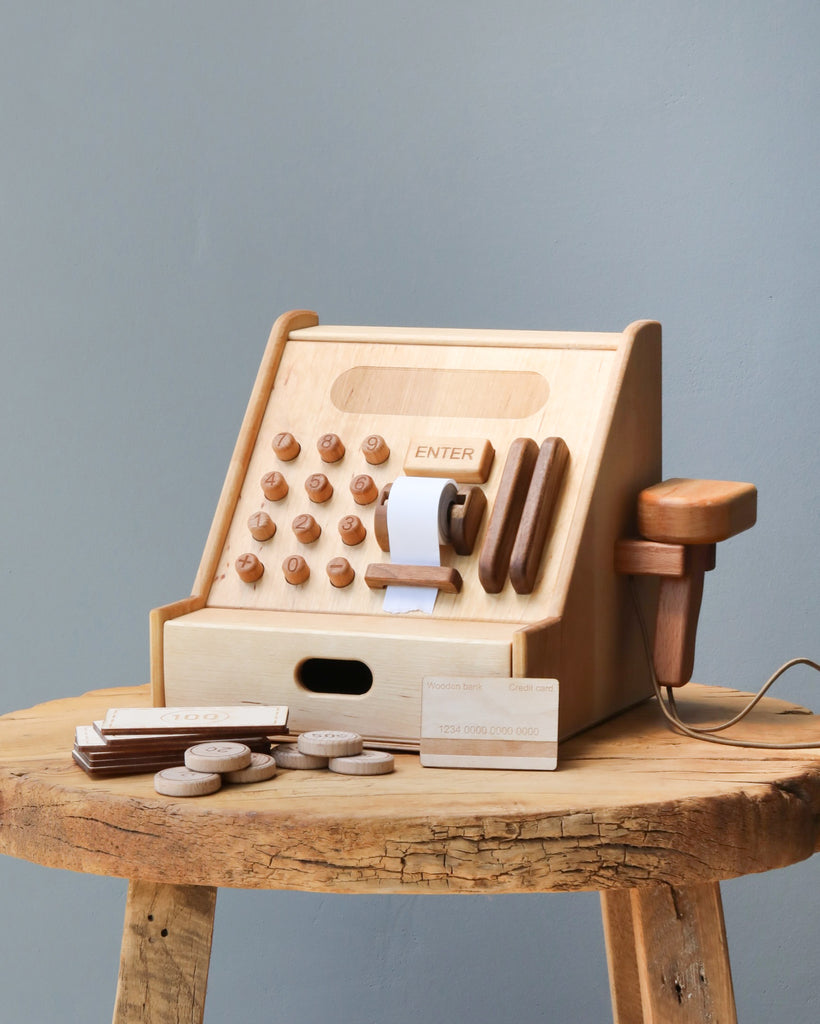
(173, 176)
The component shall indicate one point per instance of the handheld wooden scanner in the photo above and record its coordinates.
(407, 503)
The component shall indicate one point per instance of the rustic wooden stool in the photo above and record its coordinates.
(651, 819)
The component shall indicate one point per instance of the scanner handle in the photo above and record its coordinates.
(681, 521)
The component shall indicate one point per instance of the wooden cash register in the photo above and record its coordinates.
(541, 444)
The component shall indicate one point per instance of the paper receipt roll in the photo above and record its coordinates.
(417, 525)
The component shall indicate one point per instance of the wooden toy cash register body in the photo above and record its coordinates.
(294, 615)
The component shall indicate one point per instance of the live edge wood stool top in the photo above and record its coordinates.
(632, 804)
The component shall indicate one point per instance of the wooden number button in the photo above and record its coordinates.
(274, 486)
(330, 743)
(295, 570)
(217, 757)
(330, 448)
(352, 530)
(286, 446)
(364, 489)
(261, 525)
(319, 488)
(249, 568)
(181, 781)
(375, 450)
(340, 572)
(306, 528)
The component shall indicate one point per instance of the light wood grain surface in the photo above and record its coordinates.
(631, 803)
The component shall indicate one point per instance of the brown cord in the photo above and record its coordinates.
(670, 709)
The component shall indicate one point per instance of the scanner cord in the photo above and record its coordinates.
(670, 709)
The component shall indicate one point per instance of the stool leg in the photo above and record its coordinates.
(668, 956)
(619, 934)
(166, 950)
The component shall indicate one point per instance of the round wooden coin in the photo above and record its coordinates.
(369, 762)
(222, 756)
(182, 781)
(262, 767)
(287, 755)
(330, 743)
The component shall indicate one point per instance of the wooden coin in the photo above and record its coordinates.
(330, 743)
(262, 767)
(182, 781)
(217, 757)
(369, 762)
(287, 755)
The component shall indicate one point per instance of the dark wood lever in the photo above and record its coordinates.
(379, 575)
(494, 559)
(536, 517)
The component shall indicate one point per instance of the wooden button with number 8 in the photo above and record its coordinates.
(330, 448)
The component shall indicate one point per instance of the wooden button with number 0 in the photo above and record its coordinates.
(295, 570)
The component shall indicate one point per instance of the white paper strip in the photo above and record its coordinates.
(416, 519)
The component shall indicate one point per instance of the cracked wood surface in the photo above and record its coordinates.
(631, 804)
